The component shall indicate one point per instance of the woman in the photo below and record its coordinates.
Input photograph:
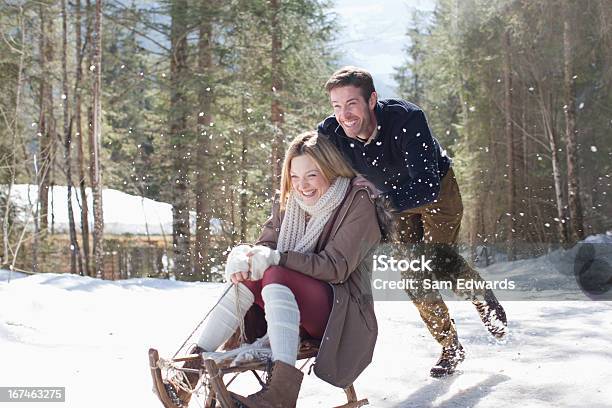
(310, 272)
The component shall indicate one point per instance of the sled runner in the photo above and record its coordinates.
(215, 387)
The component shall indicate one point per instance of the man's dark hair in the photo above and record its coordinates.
(354, 76)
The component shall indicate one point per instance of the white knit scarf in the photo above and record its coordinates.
(295, 235)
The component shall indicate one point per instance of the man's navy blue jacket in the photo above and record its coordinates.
(404, 161)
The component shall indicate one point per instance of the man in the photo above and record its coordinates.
(389, 143)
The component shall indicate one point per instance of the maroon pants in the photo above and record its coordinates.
(314, 297)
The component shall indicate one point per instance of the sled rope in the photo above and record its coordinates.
(175, 377)
(238, 311)
(202, 321)
(178, 379)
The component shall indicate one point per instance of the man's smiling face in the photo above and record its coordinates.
(353, 112)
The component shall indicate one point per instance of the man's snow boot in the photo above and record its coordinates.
(281, 389)
(448, 361)
(492, 314)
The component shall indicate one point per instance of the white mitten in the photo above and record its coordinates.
(237, 261)
(261, 259)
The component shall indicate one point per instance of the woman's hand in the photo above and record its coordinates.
(363, 182)
(249, 263)
(237, 263)
(262, 258)
(239, 277)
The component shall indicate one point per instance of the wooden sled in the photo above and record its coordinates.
(217, 393)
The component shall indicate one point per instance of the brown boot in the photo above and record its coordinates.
(452, 354)
(281, 389)
(492, 314)
(448, 361)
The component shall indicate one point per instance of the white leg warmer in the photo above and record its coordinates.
(283, 317)
(225, 319)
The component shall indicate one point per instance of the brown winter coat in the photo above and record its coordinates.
(342, 258)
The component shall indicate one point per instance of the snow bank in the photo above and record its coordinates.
(553, 276)
(599, 238)
(123, 213)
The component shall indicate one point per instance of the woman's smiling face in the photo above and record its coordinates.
(307, 180)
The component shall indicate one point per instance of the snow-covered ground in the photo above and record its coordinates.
(92, 337)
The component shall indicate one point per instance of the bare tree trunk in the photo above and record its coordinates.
(96, 184)
(90, 134)
(15, 131)
(277, 85)
(482, 235)
(79, 53)
(605, 30)
(75, 253)
(573, 187)
(493, 180)
(509, 135)
(546, 107)
(231, 192)
(243, 186)
(53, 169)
(36, 245)
(202, 240)
(181, 233)
(525, 119)
(521, 168)
(45, 133)
(473, 234)
(46, 118)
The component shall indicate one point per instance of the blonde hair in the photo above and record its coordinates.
(325, 155)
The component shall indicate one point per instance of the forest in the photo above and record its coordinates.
(192, 104)
(518, 92)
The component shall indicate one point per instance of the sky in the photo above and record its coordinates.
(372, 35)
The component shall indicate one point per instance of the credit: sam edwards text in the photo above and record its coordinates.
(426, 284)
